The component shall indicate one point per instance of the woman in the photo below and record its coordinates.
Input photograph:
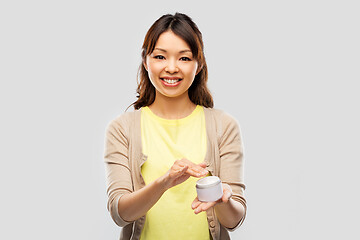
(155, 154)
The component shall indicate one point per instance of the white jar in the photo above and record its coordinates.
(209, 189)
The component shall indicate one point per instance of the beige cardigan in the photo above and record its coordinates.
(123, 160)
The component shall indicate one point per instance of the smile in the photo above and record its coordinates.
(171, 82)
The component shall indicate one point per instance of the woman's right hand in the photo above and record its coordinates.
(181, 170)
(134, 205)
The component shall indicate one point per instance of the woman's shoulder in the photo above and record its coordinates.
(126, 116)
(221, 116)
(224, 124)
(123, 121)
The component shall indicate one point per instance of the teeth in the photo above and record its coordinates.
(171, 81)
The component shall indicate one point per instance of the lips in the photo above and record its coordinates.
(171, 81)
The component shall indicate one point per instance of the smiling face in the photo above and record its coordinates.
(171, 66)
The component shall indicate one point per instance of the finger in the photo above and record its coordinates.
(177, 171)
(195, 203)
(179, 163)
(184, 162)
(198, 209)
(200, 168)
(226, 186)
(204, 206)
(183, 173)
(181, 169)
(184, 169)
(203, 165)
(183, 177)
(226, 196)
(208, 205)
(195, 172)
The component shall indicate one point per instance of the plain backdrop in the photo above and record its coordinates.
(288, 71)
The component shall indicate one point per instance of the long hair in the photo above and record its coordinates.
(183, 26)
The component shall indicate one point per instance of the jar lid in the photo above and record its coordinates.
(207, 182)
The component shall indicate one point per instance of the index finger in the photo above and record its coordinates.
(196, 173)
(195, 170)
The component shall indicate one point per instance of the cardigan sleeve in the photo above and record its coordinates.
(117, 169)
(232, 160)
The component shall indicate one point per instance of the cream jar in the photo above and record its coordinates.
(209, 189)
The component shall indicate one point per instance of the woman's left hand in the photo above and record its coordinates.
(199, 206)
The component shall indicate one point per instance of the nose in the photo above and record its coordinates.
(171, 67)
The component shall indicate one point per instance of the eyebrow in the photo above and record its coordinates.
(182, 51)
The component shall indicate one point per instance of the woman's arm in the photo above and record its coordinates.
(134, 205)
(228, 211)
(231, 209)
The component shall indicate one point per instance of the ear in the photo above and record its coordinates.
(199, 69)
(144, 64)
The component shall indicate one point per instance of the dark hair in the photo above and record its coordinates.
(183, 26)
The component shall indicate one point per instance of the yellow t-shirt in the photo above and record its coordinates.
(164, 141)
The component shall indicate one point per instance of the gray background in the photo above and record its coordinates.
(287, 70)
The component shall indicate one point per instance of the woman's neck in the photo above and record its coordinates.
(172, 107)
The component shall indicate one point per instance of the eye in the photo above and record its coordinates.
(159, 57)
(185, 59)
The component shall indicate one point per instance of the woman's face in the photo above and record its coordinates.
(171, 66)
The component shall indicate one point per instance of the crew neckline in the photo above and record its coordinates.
(197, 110)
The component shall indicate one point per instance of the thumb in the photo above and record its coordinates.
(203, 165)
(182, 171)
